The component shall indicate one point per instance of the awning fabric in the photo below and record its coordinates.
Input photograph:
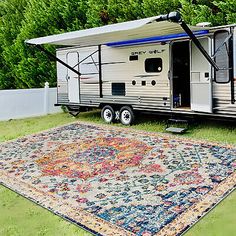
(138, 29)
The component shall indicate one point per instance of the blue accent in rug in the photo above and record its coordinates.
(137, 181)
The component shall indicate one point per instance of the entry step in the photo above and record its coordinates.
(176, 130)
(178, 126)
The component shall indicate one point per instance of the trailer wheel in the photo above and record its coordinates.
(108, 114)
(126, 115)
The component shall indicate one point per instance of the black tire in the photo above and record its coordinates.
(127, 115)
(108, 114)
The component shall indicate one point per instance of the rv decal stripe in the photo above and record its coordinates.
(106, 63)
(111, 63)
(89, 73)
(93, 82)
(144, 76)
(154, 39)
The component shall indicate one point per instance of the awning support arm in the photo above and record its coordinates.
(42, 49)
(176, 17)
(100, 70)
(90, 55)
(198, 44)
(232, 86)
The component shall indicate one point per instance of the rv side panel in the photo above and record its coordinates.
(222, 92)
(222, 100)
(89, 69)
(88, 82)
(138, 74)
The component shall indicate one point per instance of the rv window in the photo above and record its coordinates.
(153, 65)
(133, 58)
(118, 89)
(222, 57)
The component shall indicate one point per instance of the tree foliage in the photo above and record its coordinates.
(22, 66)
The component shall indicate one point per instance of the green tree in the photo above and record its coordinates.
(11, 17)
(97, 13)
(48, 17)
(197, 11)
(22, 66)
(228, 10)
(123, 10)
(152, 7)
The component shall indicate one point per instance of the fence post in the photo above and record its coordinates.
(46, 98)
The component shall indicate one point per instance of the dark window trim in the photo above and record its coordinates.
(133, 58)
(153, 58)
(118, 89)
(230, 44)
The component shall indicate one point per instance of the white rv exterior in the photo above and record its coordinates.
(164, 74)
(118, 70)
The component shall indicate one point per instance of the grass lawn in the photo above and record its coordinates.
(19, 216)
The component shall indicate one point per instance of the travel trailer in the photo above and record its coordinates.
(157, 64)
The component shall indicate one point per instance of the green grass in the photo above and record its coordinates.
(22, 217)
(19, 216)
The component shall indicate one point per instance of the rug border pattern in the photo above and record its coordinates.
(101, 227)
(74, 215)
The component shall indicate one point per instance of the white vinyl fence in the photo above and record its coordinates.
(22, 103)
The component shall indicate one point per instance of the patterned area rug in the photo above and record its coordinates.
(117, 181)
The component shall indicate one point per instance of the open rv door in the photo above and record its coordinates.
(201, 78)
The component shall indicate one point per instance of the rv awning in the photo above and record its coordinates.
(131, 30)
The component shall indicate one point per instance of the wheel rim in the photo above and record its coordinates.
(107, 115)
(126, 117)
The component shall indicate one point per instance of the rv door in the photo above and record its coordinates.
(73, 78)
(201, 78)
